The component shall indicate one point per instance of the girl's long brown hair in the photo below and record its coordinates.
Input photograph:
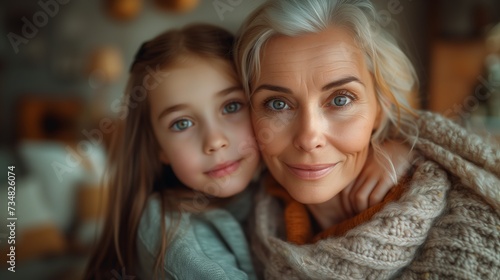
(134, 170)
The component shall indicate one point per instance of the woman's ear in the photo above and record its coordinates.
(163, 158)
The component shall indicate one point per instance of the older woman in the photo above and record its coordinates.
(327, 85)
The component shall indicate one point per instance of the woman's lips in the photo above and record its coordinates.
(310, 172)
(223, 169)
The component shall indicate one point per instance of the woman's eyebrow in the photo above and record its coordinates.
(342, 82)
(272, 88)
(330, 85)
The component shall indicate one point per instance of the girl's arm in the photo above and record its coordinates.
(375, 181)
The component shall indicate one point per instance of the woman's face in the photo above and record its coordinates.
(314, 110)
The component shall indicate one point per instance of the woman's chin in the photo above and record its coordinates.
(310, 197)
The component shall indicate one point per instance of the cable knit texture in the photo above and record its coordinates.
(446, 225)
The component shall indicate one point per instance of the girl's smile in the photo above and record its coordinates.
(224, 169)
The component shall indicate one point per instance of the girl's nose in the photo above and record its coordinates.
(214, 141)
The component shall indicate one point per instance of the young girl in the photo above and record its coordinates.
(181, 162)
(186, 147)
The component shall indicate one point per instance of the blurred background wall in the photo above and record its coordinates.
(64, 62)
(54, 61)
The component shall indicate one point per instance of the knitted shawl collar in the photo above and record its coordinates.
(399, 240)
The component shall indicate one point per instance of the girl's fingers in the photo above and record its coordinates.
(354, 193)
(345, 199)
(380, 191)
(360, 196)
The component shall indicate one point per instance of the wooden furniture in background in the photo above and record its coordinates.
(456, 67)
(45, 118)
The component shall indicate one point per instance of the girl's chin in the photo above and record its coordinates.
(227, 193)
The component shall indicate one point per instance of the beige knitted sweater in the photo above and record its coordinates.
(445, 226)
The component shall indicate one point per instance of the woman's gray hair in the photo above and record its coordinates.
(395, 79)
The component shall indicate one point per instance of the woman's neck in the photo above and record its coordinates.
(329, 213)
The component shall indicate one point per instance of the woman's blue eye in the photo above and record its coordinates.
(277, 105)
(181, 125)
(341, 101)
(232, 107)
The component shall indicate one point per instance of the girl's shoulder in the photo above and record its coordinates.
(197, 211)
(190, 228)
(211, 240)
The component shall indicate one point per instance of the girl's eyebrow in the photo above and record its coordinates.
(179, 107)
(228, 91)
(171, 109)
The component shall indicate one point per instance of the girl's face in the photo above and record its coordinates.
(201, 121)
(314, 110)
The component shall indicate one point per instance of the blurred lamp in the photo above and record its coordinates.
(178, 6)
(123, 9)
(105, 66)
(493, 39)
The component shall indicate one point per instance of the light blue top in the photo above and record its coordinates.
(208, 245)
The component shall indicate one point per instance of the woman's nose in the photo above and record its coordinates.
(310, 134)
(214, 140)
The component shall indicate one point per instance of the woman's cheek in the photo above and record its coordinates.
(270, 138)
(267, 124)
(262, 130)
(355, 136)
(245, 139)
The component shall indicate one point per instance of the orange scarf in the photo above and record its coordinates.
(298, 224)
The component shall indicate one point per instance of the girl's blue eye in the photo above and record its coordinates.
(181, 125)
(277, 105)
(341, 100)
(232, 107)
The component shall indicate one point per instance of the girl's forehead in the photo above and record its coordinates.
(191, 81)
(223, 67)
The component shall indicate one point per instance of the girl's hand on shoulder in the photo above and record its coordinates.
(376, 179)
